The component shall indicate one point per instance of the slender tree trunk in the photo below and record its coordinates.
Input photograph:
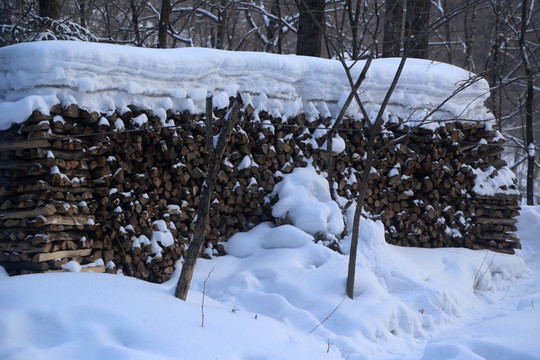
(220, 26)
(529, 101)
(393, 20)
(469, 27)
(214, 161)
(353, 15)
(49, 8)
(135, 22)
(370, 154)
(492, 68)
(415, 27)
(82, 12)
(163, 23)
(447, 33)
(310, 22)
(280, 27)
(329, 140)
(274, 29)
(351, 270)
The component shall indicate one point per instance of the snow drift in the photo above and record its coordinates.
(105, 77)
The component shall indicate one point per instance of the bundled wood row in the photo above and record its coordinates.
(120, 190)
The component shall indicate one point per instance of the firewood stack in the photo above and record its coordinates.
(120, 190)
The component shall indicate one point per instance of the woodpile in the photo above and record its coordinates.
(119, 191)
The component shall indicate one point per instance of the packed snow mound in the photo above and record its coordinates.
(100, 316)
(490, 339)
(304, 198)
(105, 77)
(401, 294)
(531, 216)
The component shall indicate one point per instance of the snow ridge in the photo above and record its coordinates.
(104, 77)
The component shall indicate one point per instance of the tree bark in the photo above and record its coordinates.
(415, 27)
(49, 8)
(199, 234)
(529, 101)
(135, 22)
(370, 154)
(469, 27)
(220, 26)
(329, 141)
(82, 13)
(393, 20)
(353, 14)
(310, 22)
(163, 23)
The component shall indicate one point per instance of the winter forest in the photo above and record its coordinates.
(499, 40)
(351, 238)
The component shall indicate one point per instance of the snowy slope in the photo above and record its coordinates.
(279, 295)
(35, 76)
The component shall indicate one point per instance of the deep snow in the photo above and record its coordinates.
(279, 295)
(106, 77)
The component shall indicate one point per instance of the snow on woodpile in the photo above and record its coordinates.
(102, 77)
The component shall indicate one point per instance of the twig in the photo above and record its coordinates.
(329, 345)
(203, 294)
(326, 318)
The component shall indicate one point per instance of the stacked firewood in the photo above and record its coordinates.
(47, 201)
(119, 191)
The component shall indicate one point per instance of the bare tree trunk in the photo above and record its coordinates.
(220, 26)
(214, 161)
(416, 25)
(82, 12)
(353, 15)
(274, 30)
(393, 20)
(492, 69)
(469, 27)
(163, 23)
(310, 22)
(351, 270)
(528, 104)
(135, 22)
(447, 33)
(49, 8)
(277, 11)
(329, 139)
(374, 128)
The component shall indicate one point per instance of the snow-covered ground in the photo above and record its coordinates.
(279, 295)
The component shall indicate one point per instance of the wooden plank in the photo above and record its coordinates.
(500, 237)
(64, 220)
(21, 246)
(96, 269)
(24, 144)
(497, 197)
(25, 214)
(61, 254)
(42, 185)
(47, 237)
(61, 154)
(497, 221)
(24, 265)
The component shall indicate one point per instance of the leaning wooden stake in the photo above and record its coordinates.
(370, 154)
(214, 161)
